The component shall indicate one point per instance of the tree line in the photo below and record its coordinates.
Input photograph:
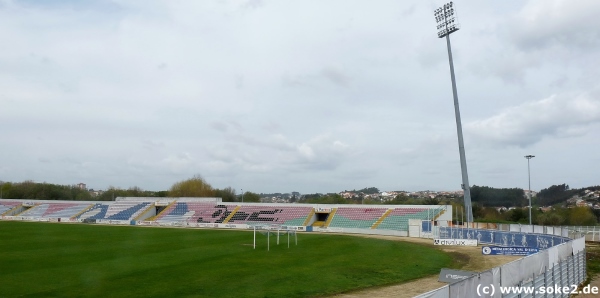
(29, 190)
(573, 216)
(498, 197)
(193, 187)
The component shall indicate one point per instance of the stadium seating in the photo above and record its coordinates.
(7, 205)
(275, 215)
(398, 218)
(96, 212)
(64, 210)
(119, 210)
(355, 217)
(54, 210)
(175, 213)
(125, 210)
(204, 212)
(209, 212)
(359, 218)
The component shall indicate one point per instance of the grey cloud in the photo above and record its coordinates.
(336, 76)
(253, 4)
(332, 75)
(564, 115)
(409, 11)
(571, 24)
(152, 145)
(239, 82)
(179, 163)
(44, 160)
(278, 94)
(322, 153)
(507, 64)
(227, 126)
(220, 126)
(288, 80)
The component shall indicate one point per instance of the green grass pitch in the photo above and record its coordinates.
(77, 260)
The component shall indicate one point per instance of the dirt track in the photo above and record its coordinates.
(470, 256)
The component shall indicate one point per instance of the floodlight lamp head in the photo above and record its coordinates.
(446, 20)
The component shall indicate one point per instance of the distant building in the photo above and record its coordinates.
(82, 186)
(582, 203)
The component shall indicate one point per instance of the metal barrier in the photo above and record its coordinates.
(560, 264)
(591, 233)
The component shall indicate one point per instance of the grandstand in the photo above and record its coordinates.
(6, 206)
(120, 210)
(360, 218)
(275, 215)
(211, 212)
(398, 218)
(54, 210)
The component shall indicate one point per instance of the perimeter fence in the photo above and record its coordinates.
(591, 233)
(556, 270)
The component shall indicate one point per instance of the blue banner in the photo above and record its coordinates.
(508, 251)
(502, 238)
(426, 226)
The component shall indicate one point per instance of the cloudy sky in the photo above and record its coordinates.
(288, 95)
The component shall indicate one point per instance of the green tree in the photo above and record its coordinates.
(331, 198)
(193, 187)
(550, 218)
(498, 197)
(369, 190)
(112, 193)
(478, 211)
(554, 194)
(518, 215)
(402, 199)
(5, 190)
(161, 193)
(227, 194)
(581, 216)
(250, 197)
(431, 201)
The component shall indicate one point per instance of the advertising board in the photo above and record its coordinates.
(508, 251)
(456, 242)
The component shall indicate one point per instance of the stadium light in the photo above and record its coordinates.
(446, 24)
(529, 178)
(446, 20)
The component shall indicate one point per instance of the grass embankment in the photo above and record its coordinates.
(74, 260)
(593, 259)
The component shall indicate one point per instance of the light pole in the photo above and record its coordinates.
(529, 178)
(446, 24)
(242, 195)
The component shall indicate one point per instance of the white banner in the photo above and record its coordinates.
(459, 242)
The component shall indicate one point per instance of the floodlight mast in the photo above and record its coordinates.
(529, 157)
(446, 24)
